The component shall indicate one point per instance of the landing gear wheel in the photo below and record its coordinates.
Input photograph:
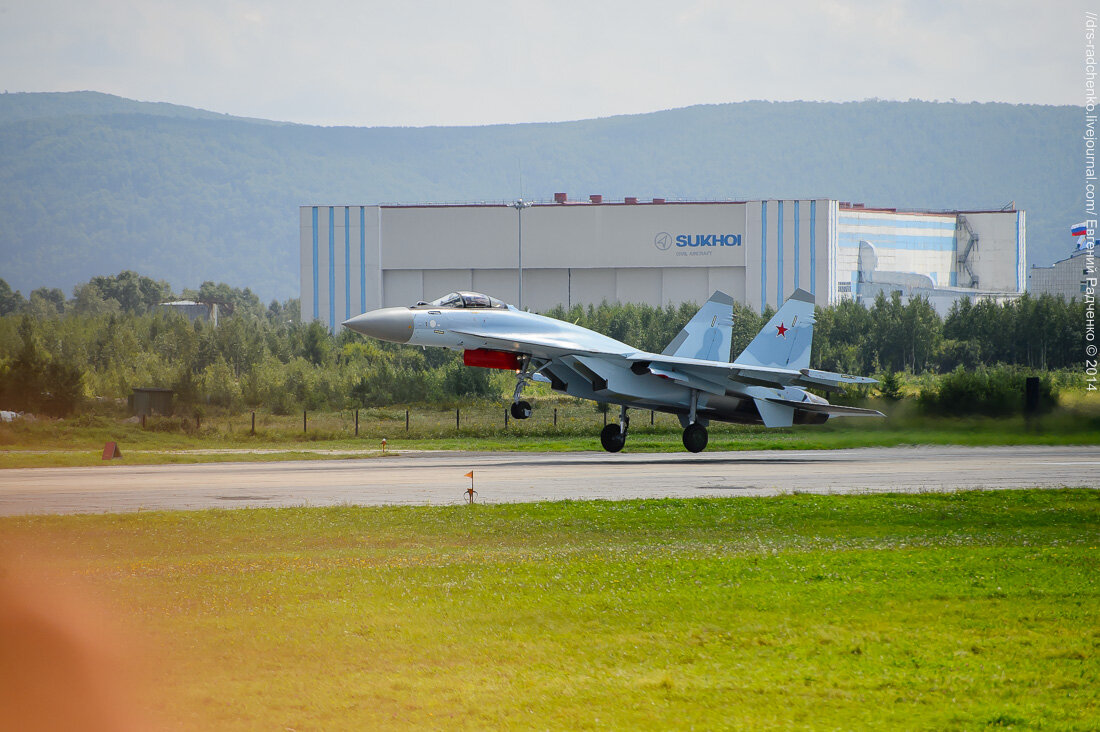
(521, 410)
(695, 437)
(612, 438)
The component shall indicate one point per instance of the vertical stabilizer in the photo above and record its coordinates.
(786, 339)
(709, 334)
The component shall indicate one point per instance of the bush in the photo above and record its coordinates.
(890, 386)
(994, 392)
(219, 385)
(460, 380)
(63, 389)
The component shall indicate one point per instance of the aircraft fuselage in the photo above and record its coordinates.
(578, 367)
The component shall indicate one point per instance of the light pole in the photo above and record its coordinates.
(519, 204)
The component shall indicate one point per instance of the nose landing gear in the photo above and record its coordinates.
(521, 409)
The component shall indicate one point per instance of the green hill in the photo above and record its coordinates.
(93, 184)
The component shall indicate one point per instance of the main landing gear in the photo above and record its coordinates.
(695, 437)
(695, 434)
(613, 436)
(521, 409)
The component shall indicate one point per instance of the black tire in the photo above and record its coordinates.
(612, 438)
(695, 437)
(521, 410)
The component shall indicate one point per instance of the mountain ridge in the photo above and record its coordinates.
(96, 184)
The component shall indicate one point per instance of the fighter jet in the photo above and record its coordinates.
(692, 378)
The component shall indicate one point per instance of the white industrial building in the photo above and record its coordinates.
(1066, 278)
(359, 257)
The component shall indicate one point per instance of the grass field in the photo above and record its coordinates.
(481, 426)
(959, 611)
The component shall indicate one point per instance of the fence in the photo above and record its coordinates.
(563, 418)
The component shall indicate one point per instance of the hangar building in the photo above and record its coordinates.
(1067, 278)
(360, 257)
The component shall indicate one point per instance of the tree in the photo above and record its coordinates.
(10, 302)
(243, 302)
(89, 300)
(19, 389)
(887, 336)
(923, 332)
(46, 302)
(890, 386)
(34, 383)
(841, 338)
(746, 324)
(133, 292)
(316, 344)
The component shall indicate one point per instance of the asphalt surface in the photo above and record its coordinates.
(438, 477)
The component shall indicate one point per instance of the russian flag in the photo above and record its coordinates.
(1079, 229)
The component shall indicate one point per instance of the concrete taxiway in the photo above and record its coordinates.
(437, 477)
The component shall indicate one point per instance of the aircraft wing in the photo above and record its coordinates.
(837, 409)
(717, 378)
(710, 376)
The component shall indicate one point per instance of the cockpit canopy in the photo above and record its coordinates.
(465, 300)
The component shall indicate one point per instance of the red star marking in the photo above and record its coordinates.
(782, 330)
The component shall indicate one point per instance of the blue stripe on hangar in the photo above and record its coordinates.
(362, 259)
(813, 246)
(779, 257)
(763, 255)
(347, 262)
(332, 268)
(797, 205)
(895, 241)
(315, 266)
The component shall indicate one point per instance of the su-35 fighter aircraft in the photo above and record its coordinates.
(692, 378)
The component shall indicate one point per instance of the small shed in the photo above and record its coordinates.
(151, 400)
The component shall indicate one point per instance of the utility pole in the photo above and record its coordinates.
(519, 204)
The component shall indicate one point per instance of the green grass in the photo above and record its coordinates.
(80, 440)
(959, 611)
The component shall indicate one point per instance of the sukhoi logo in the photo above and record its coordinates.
(708, 240)
(665, 240)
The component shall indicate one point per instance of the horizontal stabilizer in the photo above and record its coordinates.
(829, 380)
(836, 410)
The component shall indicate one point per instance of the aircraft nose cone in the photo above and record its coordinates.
(387, 324)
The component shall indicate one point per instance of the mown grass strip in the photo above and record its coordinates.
(938, 611)
(80, 442)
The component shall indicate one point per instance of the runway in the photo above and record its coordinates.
(437, 477)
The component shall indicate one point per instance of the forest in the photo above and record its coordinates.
(59, 355)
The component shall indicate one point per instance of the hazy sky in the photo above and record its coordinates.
(406, 62)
